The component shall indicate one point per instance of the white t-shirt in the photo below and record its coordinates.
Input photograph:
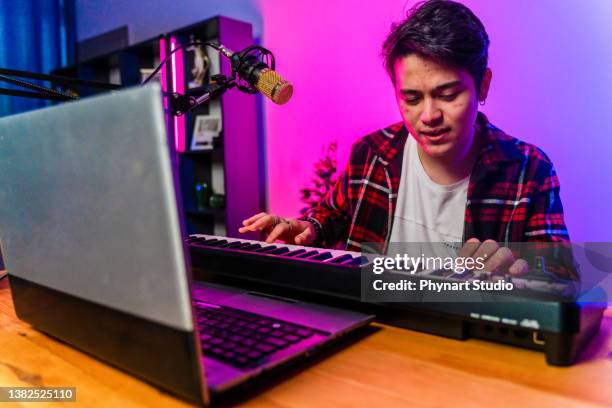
(427, 211)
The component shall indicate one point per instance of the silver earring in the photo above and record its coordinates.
(481, 103)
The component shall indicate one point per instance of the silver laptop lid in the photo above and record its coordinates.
(88, 206)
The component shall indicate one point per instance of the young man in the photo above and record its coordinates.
(443, 174)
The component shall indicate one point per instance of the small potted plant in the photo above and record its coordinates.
(323, 178)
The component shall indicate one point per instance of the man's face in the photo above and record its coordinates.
(438, 104)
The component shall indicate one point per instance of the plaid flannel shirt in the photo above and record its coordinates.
(513, 193)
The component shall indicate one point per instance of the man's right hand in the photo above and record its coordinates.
(288, 230)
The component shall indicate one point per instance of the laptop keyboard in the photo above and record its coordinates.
(243, 339)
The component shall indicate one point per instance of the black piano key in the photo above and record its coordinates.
(279, 251)
(295, 252)
(215, 243)
(266, 249)
(246, 245)
(448, 272)
(340, 259)
(461, 276)
(208, 243)
(307, 254)
(250, 247)
(242, 246)
(231, 245)
(204, 241)
(443, 273)
(361, 260)
(321, 257)
(238, 245)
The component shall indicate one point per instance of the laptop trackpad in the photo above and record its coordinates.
(320, 317)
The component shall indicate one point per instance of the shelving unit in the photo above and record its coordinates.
(232, 166)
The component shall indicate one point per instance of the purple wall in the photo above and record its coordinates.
(552, 82)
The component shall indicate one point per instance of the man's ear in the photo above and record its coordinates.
(484, 85)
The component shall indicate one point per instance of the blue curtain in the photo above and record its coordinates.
(37, 36)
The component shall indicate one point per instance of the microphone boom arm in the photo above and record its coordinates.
(181, 103)
(248, 67)
(40, 92)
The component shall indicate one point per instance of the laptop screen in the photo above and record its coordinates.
(88, 206)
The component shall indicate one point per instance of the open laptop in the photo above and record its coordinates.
(91, 233)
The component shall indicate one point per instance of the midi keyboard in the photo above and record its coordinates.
(543, 315)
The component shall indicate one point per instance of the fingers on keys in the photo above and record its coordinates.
(258, 222)
(305, 237)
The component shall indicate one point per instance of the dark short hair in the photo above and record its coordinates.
(444, 31)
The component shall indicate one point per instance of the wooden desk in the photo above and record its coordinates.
(391, 367)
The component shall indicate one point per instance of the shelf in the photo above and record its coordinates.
(203, 152)
(225, 167)
(217, 153)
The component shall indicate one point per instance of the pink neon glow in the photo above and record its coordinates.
(178, 85)
(341, 90)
